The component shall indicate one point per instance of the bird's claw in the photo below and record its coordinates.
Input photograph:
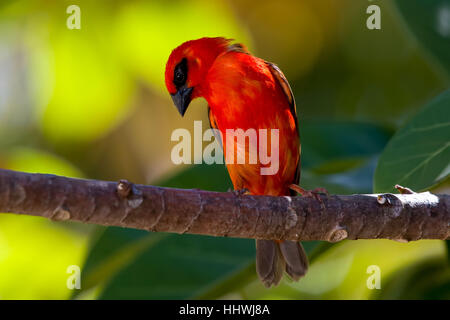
(240, 192)
(315, 193)
(403, 190)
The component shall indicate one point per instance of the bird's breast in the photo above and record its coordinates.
(247, 97)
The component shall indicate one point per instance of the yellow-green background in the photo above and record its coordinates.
(92, 103)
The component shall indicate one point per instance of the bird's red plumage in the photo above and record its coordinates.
(242, 92)
(245, 92)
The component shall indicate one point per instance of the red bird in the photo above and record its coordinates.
(245, 92)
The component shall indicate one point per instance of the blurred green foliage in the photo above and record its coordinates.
(35, 253)
(418, 154)
(430, 24)
(92, 103)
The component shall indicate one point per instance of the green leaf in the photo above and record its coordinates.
(429, 21)
(418, 155)
(116, 247)
(188, 267)
(180, 267)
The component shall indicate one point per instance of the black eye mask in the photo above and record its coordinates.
(180, 74)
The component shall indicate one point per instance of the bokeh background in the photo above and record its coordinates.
(91, 103)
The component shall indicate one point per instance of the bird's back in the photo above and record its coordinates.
(244, 93)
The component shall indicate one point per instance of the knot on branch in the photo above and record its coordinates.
(129, 191)
(393, 204)
(338, 234)
(60, 214)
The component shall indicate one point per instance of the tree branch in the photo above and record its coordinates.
(403, 217)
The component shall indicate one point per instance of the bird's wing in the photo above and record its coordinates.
(282, 81)
(213, 125)
(284, 84)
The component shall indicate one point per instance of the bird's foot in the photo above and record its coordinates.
(404, 190)
(316, 193)
(240, 192)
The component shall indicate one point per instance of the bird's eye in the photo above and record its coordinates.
(180, 73)
(179, 76)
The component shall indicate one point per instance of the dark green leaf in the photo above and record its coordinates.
(418, 155)
(180, 267)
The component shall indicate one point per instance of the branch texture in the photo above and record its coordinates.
(402, 217)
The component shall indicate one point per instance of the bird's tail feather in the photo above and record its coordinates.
(274, 257)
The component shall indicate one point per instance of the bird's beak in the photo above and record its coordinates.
(181, 99)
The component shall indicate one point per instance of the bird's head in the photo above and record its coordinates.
(187, 67)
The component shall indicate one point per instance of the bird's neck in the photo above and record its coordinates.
(205, 54)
